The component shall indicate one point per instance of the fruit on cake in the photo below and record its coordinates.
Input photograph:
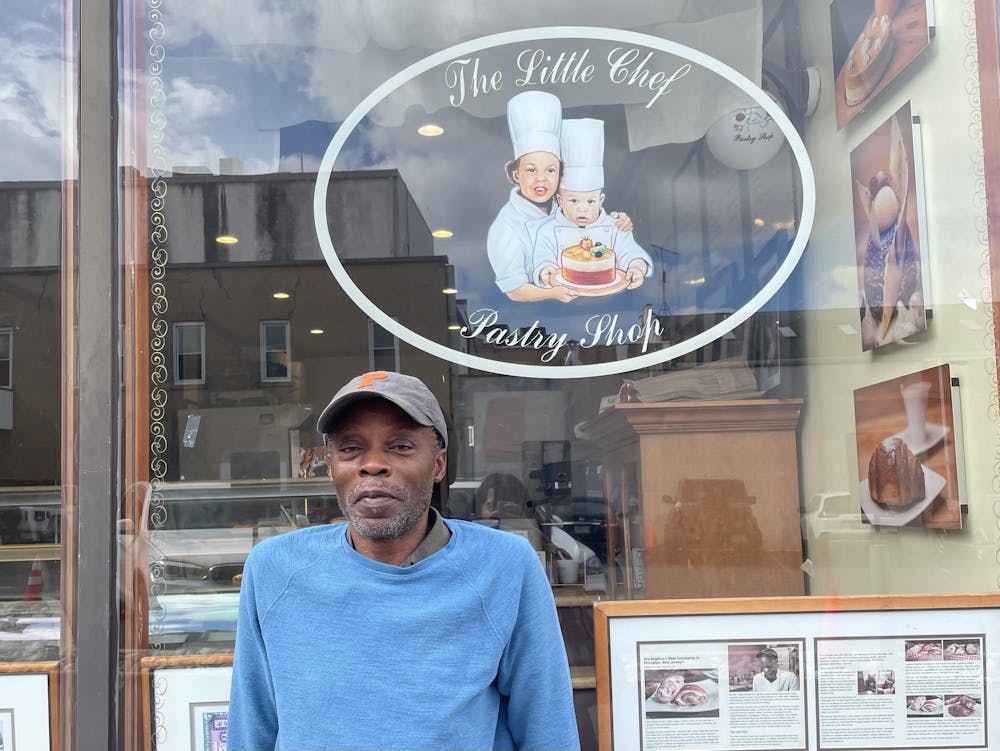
(895, 475)
(868, 59)
(588, 264)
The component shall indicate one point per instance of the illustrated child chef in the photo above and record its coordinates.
(580, 198)
(534, 120)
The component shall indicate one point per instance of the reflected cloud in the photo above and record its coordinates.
(31, 96)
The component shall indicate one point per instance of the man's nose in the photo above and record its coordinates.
(374, 463)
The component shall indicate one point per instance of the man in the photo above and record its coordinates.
(771, 678)
(396, 630)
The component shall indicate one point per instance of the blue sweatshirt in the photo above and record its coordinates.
(462, 650)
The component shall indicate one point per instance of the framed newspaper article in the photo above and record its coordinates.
(29, 693)
(797, 673)
(187, 698)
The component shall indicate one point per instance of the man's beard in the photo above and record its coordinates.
(387, 527)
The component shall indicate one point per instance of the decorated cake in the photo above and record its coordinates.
(868, 60)
(895, 475)
(588, 264)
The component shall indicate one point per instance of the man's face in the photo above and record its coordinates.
(537, 176)
(384, 466)
(768, 665)
(582, 207)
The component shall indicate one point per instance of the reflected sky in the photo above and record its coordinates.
(31, 86)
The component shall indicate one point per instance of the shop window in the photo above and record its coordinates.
(189, 353)
(383, 348)
(275, 351)
(6, 358)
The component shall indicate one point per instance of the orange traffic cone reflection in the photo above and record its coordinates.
(33, 592)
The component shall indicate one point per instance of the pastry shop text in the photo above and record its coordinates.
(602, 330)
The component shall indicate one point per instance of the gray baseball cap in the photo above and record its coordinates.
(406, 392)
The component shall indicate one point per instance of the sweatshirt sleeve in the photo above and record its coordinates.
(534, 672)
(253, 723)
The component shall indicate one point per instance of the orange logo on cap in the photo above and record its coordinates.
(368, 379)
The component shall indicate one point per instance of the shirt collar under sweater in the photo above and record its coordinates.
(435, 539)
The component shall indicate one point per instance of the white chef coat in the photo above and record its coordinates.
(785, 681)
(510, 241)
(548, 246)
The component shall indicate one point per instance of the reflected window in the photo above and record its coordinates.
(6, 358)
(383, 348)
(275, 351)
(189, 353)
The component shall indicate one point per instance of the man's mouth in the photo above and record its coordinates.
(374, 498)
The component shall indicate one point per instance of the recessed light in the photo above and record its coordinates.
(316, 331)
(758, 222)
(430, 130)
(450, 291)
(695, 282)
(281, 295)
(227, 240)
(454, 327)
(442, 233)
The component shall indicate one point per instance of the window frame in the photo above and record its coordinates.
(371, 347)
(7, 332)
(175, 328)
(264, 351)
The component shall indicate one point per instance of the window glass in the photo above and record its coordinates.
(6, 357)
(384, 349)
(36, 168)
(687, 355)
(274, 351)
(189, 347)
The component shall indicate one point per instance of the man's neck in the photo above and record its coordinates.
(393, 551)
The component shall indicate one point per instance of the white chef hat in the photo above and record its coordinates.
(582, 154)
(534, 119)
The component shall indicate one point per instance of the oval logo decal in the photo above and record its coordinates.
(587, 235)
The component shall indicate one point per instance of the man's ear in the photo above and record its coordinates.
(441, 465)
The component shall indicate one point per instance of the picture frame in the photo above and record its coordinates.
(890, 231)
(29, 706)
(186, 701)
(870, 52)
(920, 411)
(815, 647)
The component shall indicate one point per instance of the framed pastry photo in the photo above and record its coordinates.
(908, 442)
(29, 715)
(890, 231)
(873, 42)
(187, 698)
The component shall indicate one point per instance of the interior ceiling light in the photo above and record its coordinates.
(316, 331)
(450, 291)
(281, 295)
(442, 233)
(430, 130)
(695, 282)
(227, 240)
(758, 222)
(454, 327)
